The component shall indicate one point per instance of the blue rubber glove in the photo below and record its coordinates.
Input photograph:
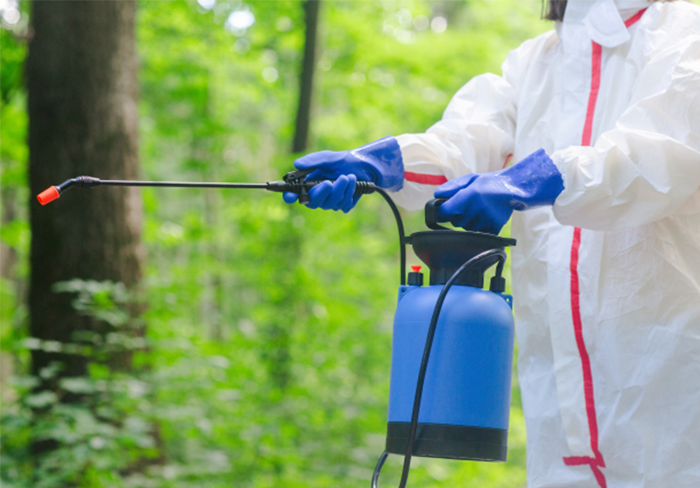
(485, 202)
(379, 162)
(337, 195)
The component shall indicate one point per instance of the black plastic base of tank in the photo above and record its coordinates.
(449, 441)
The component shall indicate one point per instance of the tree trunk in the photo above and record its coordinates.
(301, 133)
(82, 92)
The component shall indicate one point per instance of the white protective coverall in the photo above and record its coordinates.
(607, 282)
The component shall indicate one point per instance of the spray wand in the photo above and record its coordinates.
(293, 182)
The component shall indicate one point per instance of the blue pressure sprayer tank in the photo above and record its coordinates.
(464, 406)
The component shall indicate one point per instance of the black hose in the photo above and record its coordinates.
(402, 234)
(378, 468)
(426, 356)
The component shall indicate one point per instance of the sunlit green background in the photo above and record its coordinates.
(269, 326)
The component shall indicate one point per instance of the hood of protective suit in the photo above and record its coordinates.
(604, 20)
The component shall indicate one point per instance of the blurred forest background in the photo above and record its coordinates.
(251, 345)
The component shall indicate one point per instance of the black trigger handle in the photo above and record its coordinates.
(431, 214)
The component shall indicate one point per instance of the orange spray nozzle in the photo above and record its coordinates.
(48, 195)
(52, 193)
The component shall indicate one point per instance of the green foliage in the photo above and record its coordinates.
(109, 426)
(266, 361)
(13, 116)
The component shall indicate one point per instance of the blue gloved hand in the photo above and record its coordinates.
(485, 202)
(379, 162)
(337, 195)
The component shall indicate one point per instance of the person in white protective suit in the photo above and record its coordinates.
(603, 116)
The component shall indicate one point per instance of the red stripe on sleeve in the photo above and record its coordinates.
(424, 179)
(509, 158)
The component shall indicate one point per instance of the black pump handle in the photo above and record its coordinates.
(431, 214)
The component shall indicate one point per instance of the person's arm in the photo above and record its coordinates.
(648, 166)
(476, 133)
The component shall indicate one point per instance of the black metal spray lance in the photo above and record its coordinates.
(293, 182)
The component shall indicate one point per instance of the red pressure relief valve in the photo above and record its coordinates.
(415, 277)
